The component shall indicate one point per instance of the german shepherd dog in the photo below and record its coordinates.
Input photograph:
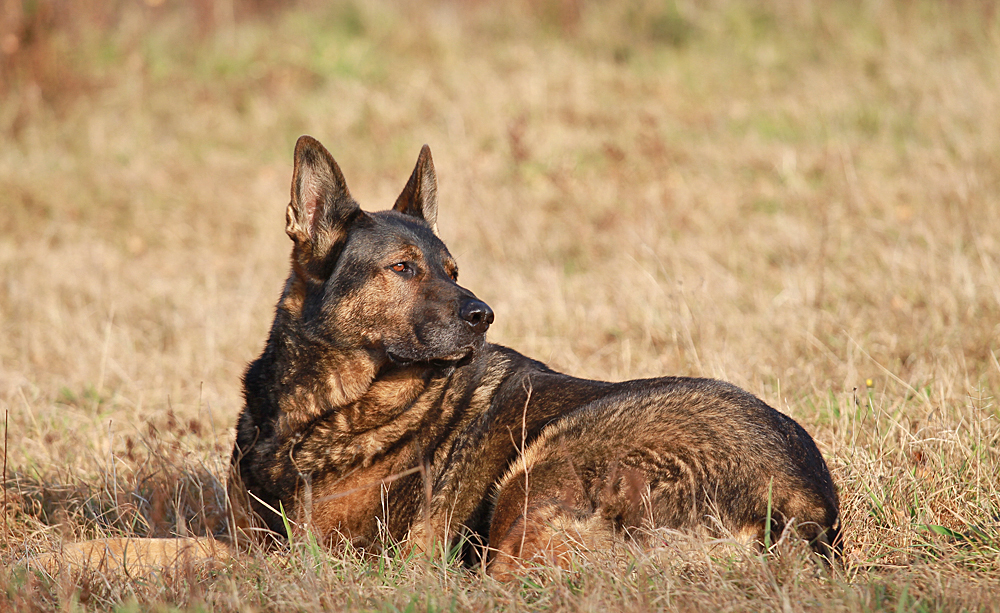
(377, 411)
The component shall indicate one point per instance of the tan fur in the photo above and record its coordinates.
(350, 377)
(347, 506)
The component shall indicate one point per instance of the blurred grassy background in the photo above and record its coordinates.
(800, 197)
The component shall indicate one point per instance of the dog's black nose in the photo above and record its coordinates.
(477, 313)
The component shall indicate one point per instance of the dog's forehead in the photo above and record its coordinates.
(393, 231)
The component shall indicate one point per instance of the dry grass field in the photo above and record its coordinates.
(802, 198)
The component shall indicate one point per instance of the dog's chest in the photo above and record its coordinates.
(351, 505)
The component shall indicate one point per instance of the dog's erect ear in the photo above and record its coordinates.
(321, 207)
(319, 193)
(419, 197)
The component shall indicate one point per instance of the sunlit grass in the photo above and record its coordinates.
(801, 198)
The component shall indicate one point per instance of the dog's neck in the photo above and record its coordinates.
(310, 377)
(318, 385)
(314, 379)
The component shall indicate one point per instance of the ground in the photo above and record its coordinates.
(802, 198)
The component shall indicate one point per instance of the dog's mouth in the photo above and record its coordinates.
(459, 358)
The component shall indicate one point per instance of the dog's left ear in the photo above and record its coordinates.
(419, 197)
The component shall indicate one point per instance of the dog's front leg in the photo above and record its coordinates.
(431, 532)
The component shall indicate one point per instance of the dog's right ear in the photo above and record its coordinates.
(321, 208)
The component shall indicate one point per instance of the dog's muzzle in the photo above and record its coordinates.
(477, 314)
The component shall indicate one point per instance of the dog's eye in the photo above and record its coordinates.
(402, 268)
(454, 275)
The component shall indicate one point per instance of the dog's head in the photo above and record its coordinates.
(383, 282)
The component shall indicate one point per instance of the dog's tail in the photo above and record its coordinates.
(133, 556)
